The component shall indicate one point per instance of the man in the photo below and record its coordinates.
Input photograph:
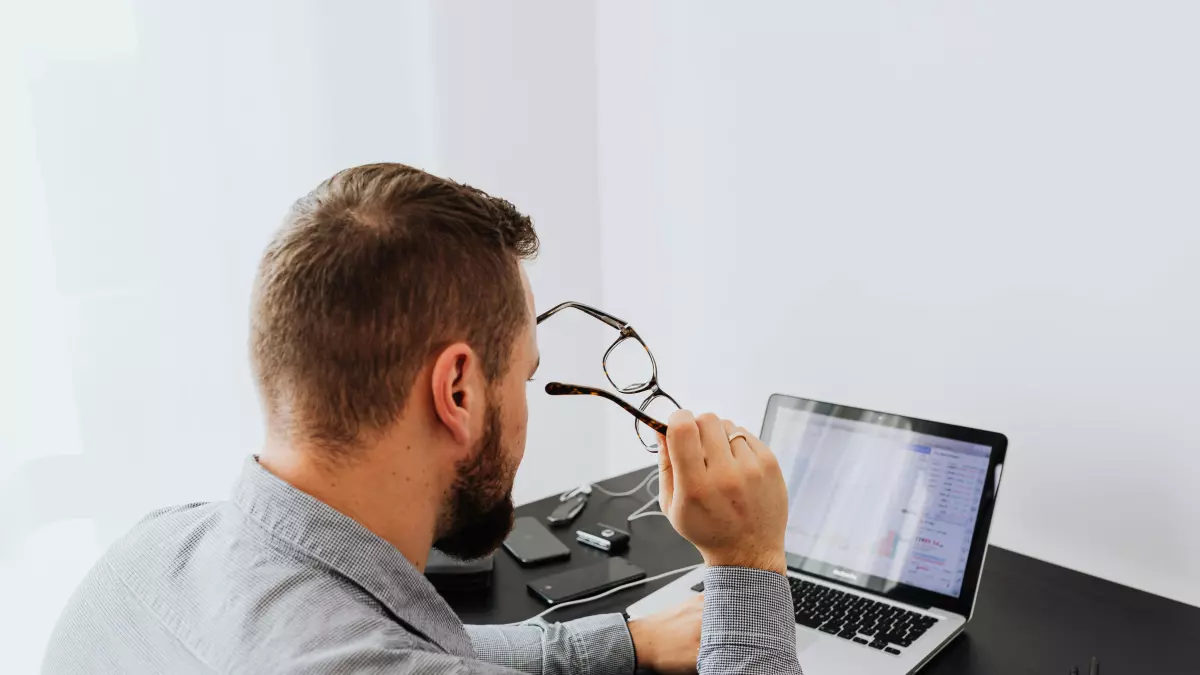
(392, 335)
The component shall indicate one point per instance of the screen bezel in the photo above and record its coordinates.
(887, 588)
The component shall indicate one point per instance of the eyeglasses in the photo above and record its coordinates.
(630, 367)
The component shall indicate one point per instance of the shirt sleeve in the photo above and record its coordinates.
(748, 626)
(595, 645)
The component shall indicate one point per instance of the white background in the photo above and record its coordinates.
(981, 213)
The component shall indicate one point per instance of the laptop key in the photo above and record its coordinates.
(890, 650)
(895, 638)
(699, 588)
(861, 641)
(847, 615)
(878, 645)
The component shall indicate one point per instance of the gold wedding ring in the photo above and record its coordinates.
(736, 435)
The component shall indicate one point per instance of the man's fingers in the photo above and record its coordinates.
(666, 479)
(738, 445)
(757, 445)
(762, 451)
(731, 503)
(683, 450)
(747, 440)
(714, 440)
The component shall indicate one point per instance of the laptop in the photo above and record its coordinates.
(888, 520)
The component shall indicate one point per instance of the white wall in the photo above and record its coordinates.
(149, 152)
(517, 107)
(982, 213)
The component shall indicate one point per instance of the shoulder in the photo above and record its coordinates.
(233, 595)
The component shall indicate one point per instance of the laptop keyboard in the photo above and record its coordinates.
(854, 617)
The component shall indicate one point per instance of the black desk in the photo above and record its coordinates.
(1032, 618)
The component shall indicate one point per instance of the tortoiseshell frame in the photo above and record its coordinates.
(626, 333)
(562, 389)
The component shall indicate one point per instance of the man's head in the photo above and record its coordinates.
(389, 294)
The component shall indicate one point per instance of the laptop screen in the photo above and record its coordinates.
(872, 498)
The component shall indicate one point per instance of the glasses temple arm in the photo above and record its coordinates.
(561, 389)
(592, 311)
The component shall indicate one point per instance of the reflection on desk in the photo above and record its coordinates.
(1032, 617)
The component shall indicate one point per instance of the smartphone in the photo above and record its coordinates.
(531, 543)
(590, 580)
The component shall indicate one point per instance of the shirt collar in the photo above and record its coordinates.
(329, 536)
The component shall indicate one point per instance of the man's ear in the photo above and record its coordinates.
(456, 378)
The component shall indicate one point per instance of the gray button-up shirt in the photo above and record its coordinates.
(276, 581)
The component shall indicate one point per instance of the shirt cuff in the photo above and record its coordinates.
(747, 607)
(603, 644)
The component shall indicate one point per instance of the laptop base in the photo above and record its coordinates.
(824, 654)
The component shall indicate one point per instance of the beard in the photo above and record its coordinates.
(481, 505)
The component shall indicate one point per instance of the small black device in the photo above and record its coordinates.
(451, 575)
(590, 580)
(565, 512)
(531, 543)
(603, 537)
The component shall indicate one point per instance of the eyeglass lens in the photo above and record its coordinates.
(659, 407)
(629, 366)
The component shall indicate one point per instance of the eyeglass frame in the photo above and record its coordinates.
(626, 332)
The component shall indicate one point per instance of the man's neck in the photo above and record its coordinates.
(394, 493)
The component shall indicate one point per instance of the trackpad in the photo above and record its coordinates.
(805, 639)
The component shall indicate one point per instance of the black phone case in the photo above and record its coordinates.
(560, 552)
(556, 549)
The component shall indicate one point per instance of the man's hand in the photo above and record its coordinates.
(728, 499)
(669, 642)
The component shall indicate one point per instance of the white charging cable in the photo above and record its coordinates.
(649, 483)
(642, 511)
(607, 593)
(587, 488)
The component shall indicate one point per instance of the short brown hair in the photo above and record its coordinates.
(371, 273)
